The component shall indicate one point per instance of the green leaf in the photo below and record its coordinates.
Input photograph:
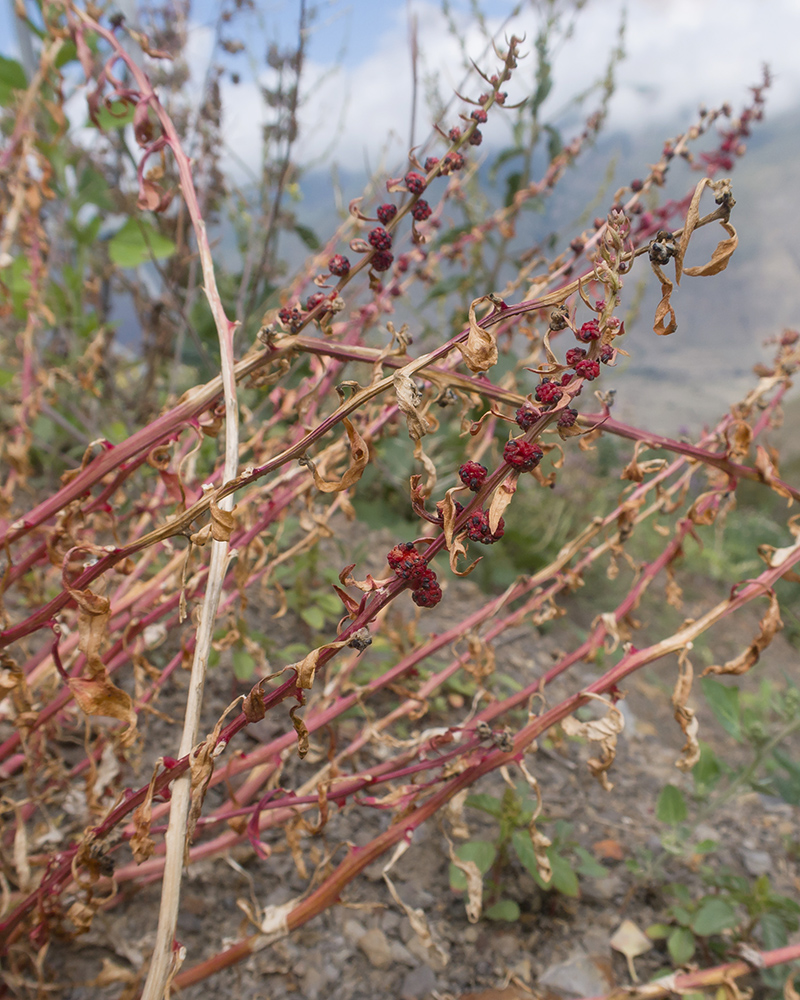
(481, 852)
(314, 617)
(564, 878)
(308, 236)
(523, 847)
(117, 114)
(589, 865)
(12, 77)
(773, 931)
(671, 806)
(713, 916)
(68, 53)
(506, 909)
(486, 803)
(135, 242)
(706, 846)
(658, 932)
(707, 771)
(5, 377)
(243, 664)
(680, 945)
(724, 703)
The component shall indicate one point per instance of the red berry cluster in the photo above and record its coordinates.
(291, 317)
(575, 354)
(522, 455)
(478, 529)
(588, 369)
(430, 163)
(421, 211)
(476, 138)
(409, 564)
(472, 475)
(607, 353)
(339, 265)
(415, 182)
(548, 392)
(386, 213)
(479, 115)
(526, 416)
(380, 239)
(381, 261)
(589, 331)
(451, 163)
(315, 300)
(567, 417)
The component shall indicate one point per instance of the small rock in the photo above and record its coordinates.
(375, 946)
(401, 954)
(580, 975)
(757, 862)
(353, 931)
(314, 982)
(418, 983)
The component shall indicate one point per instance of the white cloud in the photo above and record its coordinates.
(680, 53)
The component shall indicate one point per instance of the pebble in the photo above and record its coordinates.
(420, 982)
(376, 947)
(353, 931)
(757, 862)
(314, 982)
(578, 976)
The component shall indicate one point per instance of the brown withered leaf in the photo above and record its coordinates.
(603, 731)
(425, 489)
(93, 614)
(480, 348)
(674, 593)
(409, 402)
(723, 250)
(447, 508)
(307, 667)
(222, 522)
(739, 437)
(302, 733)
(481, 662)
(768, 473)
(685, 716)
(142, 844)
(98, 696)
(720, 256)
(474, 879)
(359, 457)
(501, 498)
(539, 842)
(706, 516)
(664, 308)
(635, 470)
(768, 628)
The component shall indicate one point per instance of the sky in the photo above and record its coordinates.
(358, 75)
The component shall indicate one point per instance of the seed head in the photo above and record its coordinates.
(381, 261)
(547, 392)
(588, 369)
(472, 475)
(574, 355)
(526, 416)
(589, 331)
(386, 213)
(380, 239)
(415, 182)
(522, 455)
(338, 265)
(421, 211)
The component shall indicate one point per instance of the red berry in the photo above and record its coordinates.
(479, 115)
(607, 353)
(637, 185)
(452, 162)
(588, 369)
(380, 239)
(473, 475)
(430, 163)
(386, 213)
(421, 211)
(575, 354)
(476, 138)
(526, 416)
(415, 182)
(381, 261)
(424, 578)
(589, 331)
(399, 553)
(567, 417)
(427, 597)
(478, 529)
(547, 392)
(338, 265)
(577, 244)
(500, 96)
(454, 133)
(291, 318)
(314, 300)
(522, 455)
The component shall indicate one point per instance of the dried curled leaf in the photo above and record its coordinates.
(635, 470)
(474, 879)
(768, 628)
(768, 473)
(359, 457)
(685, 716)
(409, 402)
(539, 841)
(307, 667)
(501, 498)
(603, 731)
(723, 250)
(664, 308)
(142, 844)
(480, 348)
(631, 942)
(302, 733)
